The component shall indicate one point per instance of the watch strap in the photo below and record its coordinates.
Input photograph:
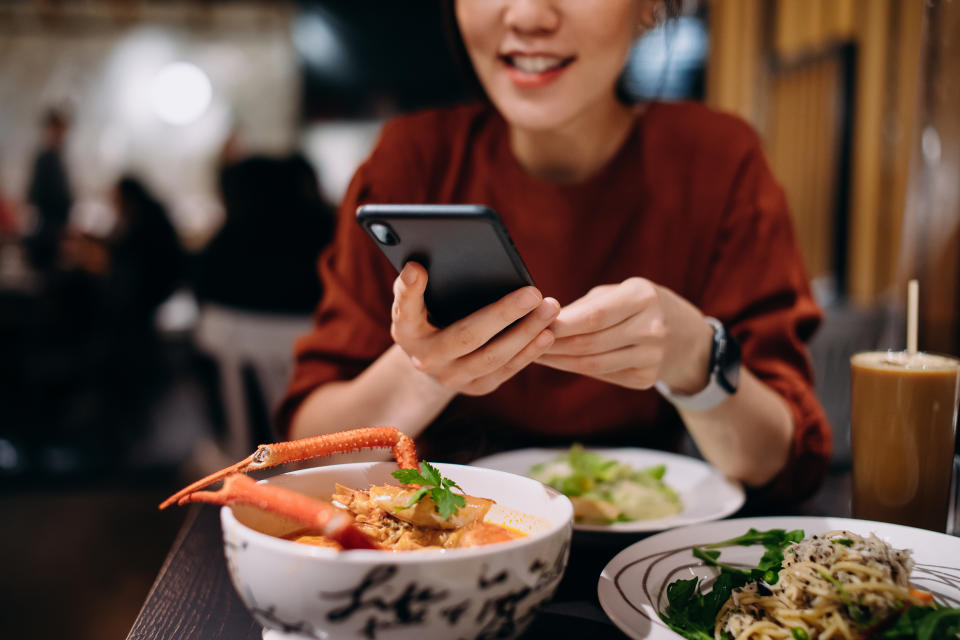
(711, 395)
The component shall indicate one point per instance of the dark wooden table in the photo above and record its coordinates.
(193, 598)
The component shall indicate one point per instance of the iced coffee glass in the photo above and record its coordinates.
(903, 420)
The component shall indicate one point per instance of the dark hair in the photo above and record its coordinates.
(472, 86)
(138, 203)
(55, 117)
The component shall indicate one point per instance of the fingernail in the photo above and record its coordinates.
(408, 275)
(546, 310)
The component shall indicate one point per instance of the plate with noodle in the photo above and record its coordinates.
(795, 578)
(627, 490)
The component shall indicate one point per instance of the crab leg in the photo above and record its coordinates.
(317, 515)
(269, 455)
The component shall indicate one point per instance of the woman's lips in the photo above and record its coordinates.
(532, 72)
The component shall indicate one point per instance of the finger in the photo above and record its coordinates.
(409, 311)
(594, 291)
(498, 352)
(645, 328)
(633, 378)
(469, 334)
(598, 364)
(607, 308)
(492, 381)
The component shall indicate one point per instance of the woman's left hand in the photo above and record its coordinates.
(633, 334)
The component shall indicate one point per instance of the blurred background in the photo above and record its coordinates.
(169, 172)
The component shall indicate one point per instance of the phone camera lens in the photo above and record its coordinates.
(384, 233)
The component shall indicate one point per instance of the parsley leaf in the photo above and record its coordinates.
(438, 488)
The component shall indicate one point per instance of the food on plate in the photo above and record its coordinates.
(832, 585)
(604, 490)
(426, 511)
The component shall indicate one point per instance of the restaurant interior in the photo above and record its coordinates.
(130, 129)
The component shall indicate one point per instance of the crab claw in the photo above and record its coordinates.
(269, 455)
(316, 515)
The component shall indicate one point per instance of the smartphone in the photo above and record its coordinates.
(468, 254)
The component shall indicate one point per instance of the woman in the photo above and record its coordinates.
(638, 223)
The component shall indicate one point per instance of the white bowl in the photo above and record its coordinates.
(297, 591)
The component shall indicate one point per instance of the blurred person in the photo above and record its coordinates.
(9, 224)
(657, 230)
(92, 345)
(49, 191)
(264, 256)
(146, 261)
(118, 282)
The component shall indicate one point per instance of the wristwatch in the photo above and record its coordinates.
(724, 374)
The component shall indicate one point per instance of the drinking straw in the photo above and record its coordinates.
(913, 294)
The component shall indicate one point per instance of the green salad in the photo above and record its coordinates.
(604, 491)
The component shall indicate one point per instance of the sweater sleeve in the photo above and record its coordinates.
(758, 287)
(352, 322)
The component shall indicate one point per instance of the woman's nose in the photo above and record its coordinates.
(532, 16)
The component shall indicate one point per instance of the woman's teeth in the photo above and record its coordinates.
(535, 64)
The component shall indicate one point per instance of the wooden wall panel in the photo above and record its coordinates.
(933, 214)
(735, 69)
(802, 139)
(867, 204)
(773, 73)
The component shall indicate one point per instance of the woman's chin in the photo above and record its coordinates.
(535, 115)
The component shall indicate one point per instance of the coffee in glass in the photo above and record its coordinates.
(903, 417)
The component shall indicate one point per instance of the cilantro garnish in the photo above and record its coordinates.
(432, 484)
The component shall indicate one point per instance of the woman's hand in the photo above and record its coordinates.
(471, 356)
(633, 334)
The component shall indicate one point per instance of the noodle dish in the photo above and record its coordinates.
(836, 584)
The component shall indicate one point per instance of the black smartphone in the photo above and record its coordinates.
(468, 254)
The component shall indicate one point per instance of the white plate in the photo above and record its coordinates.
(632, 587)
(705, 492)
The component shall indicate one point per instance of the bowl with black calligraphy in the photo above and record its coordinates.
(299, 591)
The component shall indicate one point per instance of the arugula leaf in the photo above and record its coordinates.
(438, 488)
(710, 558)
(924, 623)
(842, 541)
(778, 537)
(692, 613)
(774, 541)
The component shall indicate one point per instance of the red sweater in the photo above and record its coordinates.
(688, 202)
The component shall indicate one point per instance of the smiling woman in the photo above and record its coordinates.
(658, 238)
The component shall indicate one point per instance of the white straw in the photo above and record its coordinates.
(913, 295)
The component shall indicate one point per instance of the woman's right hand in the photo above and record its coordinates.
(471, 356)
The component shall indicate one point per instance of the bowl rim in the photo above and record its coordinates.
(366, 556)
